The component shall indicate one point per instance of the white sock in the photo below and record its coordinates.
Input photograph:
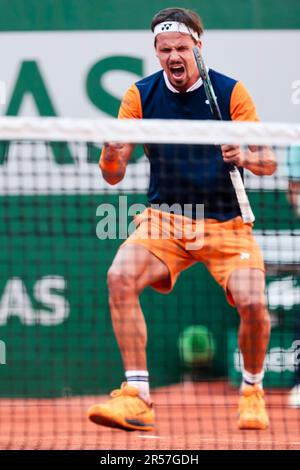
(252, 379)
(140, 380)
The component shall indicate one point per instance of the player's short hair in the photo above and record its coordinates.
(182, 15)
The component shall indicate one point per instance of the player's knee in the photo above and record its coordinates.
(251, 307)
(255, 314)
(120, 283)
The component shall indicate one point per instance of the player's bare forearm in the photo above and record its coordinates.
(113, 161)
(259, 160)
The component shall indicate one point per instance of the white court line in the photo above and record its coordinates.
(228, 441)
(247, 441)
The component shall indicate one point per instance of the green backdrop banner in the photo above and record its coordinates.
(34, 15)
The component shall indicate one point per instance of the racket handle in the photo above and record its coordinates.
(241, 195)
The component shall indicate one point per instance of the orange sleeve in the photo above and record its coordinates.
(242, 107)
(131, 106)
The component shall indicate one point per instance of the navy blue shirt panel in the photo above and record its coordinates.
(188, 174)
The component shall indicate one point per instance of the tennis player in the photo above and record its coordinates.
(185, 174)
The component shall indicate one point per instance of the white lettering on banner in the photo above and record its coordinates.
(2, 353)
(15, 302)
(277, 359)
(284, 293)
(59, 307)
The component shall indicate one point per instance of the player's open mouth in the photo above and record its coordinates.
(177, 71)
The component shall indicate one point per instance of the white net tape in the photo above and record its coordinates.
(149, 131)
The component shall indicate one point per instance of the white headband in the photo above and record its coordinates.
(175, 26)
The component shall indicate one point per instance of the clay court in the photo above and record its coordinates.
(190, 416)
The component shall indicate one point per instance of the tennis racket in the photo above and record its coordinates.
(235, 175)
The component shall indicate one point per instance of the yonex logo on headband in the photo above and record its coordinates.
(166, 26)
(175, 27)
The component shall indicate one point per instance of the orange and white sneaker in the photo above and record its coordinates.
(125, 410)
(252, 409)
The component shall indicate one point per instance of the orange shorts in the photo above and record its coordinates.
(222, 246)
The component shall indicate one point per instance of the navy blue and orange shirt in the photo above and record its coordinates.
(189, 174)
